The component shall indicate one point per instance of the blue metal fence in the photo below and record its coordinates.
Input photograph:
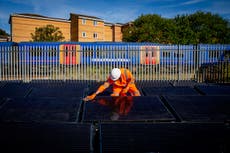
(94, 61)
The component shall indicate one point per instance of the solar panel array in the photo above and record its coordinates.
(214, 90)
(15, 90)
(40, 109)
(169, 117)
(44, 137)
(127, 109)
(201, 108)
(42, 116)
(163, 137)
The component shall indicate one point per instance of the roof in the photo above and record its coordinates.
(113, 24)
(37, 16)
(87, 17)
(4, 38)
(34, 15)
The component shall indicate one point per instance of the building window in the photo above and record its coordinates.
(95, 23)
(95, 35)
(83, 21)
(83, 34)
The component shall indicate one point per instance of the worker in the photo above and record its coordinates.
(122, 81)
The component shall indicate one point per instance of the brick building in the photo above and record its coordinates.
(81, 28)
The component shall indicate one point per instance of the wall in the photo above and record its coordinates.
(117, 34)
(89, 28)
(22, 27)
(108, 33)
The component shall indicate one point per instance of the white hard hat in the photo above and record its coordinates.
(115, 74)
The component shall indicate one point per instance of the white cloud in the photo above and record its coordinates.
(191, 2)
(176, 4)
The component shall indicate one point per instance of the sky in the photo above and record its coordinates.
(113, 11)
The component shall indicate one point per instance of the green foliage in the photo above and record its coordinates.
(196, 28)
(183, 33)
(3, 33)
(129, 34)
(47, 33)
(149, 28)
(210, 28)
(215, 73)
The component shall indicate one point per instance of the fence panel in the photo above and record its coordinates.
(94, 61)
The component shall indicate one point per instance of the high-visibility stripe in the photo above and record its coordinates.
(132, 81)
(115, 94)
(106, 84)
(137, 93)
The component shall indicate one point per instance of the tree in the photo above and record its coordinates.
(209, 28)
(150, 28)
(196, 28)
(129, 34)
(3, 33)
(183, 33)
(147, 28)
(47, 33)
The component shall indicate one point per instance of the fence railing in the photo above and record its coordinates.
(94, 61)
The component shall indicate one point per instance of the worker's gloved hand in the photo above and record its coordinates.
(90, 97)
(124, 91)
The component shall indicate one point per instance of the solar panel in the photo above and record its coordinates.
(201, 108)
(153, 83)
(184, 83)
(58, 91)
(45, 137)
(214, 89)
(126, 109)
(13, 81)
(1, 101)
(76, 83)
(95, 85)
(40, 109)
(37, 81)
(15, 90)
(2, 84)
(149, 91)
(58, 83)
(164, 137)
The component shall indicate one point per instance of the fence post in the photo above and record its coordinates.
(178, 62)
(196, 61)
(1, 48)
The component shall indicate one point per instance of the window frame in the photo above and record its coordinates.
(83, 34)
(95, 35)
(83, 21)
(95, 23)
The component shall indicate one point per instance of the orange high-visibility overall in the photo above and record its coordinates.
(125, 84)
